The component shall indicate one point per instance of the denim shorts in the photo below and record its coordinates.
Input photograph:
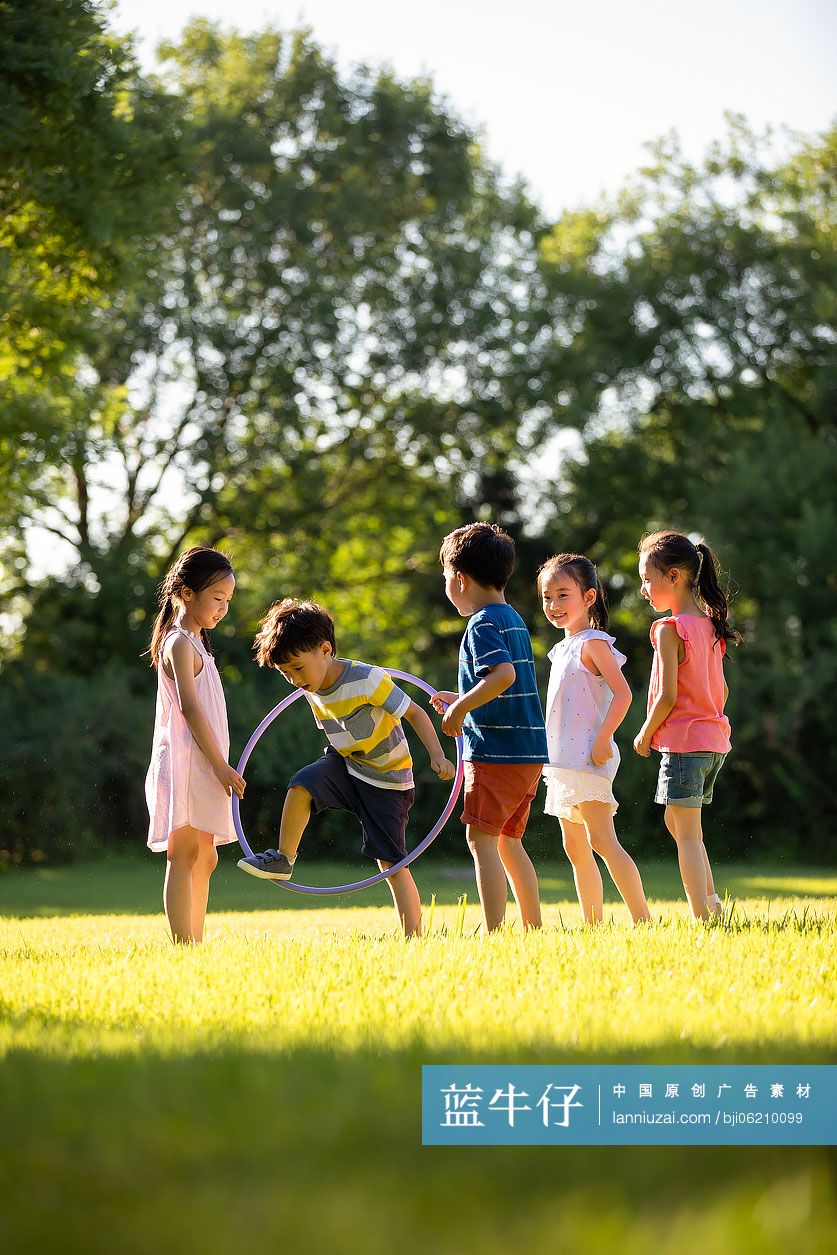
(382, 813)
(687, 779)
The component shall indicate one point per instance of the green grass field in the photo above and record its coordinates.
(263, 1091)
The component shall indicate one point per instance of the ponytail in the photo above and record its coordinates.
(713, 595)
(196, 569)
(583, 573)
(163, 622)
(599, 614)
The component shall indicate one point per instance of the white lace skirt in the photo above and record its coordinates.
(565, 788)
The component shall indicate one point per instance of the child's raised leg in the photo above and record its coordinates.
(184, 846)
(586, 874)
(491, 876)
(523, 879)
(205, 865)
(405, 895)
(601, 832)
(683, 822)
(295, 815)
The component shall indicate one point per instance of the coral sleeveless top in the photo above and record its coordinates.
(697, 721)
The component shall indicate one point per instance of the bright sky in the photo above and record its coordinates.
(567, 93)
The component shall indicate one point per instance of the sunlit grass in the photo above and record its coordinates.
(267, 1083)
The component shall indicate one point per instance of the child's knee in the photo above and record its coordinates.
(482, 846)
(571, 845)
(602, 843)
(183, 847)
(684, 824)
(208, 857)
(575, 845)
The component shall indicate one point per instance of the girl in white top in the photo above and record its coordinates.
(189, 783)
(588, 698)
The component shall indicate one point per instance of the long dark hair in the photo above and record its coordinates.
(582, 572)
(197, 568)
(671, 549)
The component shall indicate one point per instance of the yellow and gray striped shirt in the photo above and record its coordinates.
(361, 716)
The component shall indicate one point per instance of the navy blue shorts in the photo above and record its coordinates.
(383, 813)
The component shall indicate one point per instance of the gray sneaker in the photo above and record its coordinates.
(270, 865)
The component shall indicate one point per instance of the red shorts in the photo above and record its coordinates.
(498, 796)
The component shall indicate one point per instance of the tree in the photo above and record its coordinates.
(711, 345)
(339, 321)
(89, 162)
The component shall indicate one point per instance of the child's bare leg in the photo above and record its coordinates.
(598, 820)
(710, 882)
(683, 822)
(205, 865)
(405, 895)
(295, 815)
(523, 879)
(491, 878)
(181, 856)
(714, 907)
(586, 874)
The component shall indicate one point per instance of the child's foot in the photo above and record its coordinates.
(270, 865)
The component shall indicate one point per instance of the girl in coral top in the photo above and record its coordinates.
(686, 697)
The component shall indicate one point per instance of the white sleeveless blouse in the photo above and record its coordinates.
(576, 704)
(181, 788)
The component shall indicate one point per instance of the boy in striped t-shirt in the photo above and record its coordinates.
(367, 768)
(498, 712)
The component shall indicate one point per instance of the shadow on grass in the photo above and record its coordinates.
(239, 1150)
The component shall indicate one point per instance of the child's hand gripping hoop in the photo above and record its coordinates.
(396, 867)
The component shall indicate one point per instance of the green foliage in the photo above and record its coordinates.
(715, 415)
(89, 164)
(320, 330)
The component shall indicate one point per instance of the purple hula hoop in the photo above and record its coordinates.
(396, 867)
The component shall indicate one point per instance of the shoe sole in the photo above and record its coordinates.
(255, 871)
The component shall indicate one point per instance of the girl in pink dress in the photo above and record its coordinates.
(190, 782)
(686, 696)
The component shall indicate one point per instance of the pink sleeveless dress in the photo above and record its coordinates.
(181, 788)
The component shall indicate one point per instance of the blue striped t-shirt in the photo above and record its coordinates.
(509, 728)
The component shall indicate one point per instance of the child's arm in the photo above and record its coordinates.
(668, 643)
(182, 656)
(419, 721)
(495, 682)
(597, 656)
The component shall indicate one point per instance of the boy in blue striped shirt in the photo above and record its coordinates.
(498, 712)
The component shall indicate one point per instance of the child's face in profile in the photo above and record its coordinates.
(454, 590)
(308, 670)
(656, 586)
